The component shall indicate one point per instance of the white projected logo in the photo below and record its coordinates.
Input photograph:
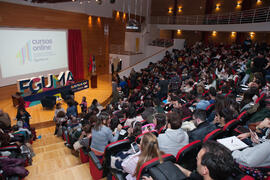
(35, 50)
(24, 54)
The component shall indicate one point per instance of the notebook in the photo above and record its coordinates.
(232, 143)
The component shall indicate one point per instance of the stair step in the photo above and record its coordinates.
(60, 152)
(47, 141)
(49, 130)
(52, 154)
(53, 165)
(47, 148)
(80, 172)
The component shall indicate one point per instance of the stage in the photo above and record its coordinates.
(43, 118)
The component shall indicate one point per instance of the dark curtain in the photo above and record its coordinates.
(75, 54)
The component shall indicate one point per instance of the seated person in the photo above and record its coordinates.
(202, 104)
(72, 109)
(178, 107)
(159, 120)
(102, 134)
(131, 115)
(222, 117)
(249, 98)
(134, 131)
(58, 108)
(174, 138)
(203, 126)
(212, 95)
(84, 139)
(157, 105)
(214, 162)
(256, 156)
(148, 150)
(24, 116)
(59, 119)
(259, 154)
(148, 111)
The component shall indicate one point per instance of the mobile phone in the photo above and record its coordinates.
(252, 133)
(135, 147)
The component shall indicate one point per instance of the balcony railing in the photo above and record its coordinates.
(241, 17)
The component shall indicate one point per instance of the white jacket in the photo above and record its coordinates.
(172, 141)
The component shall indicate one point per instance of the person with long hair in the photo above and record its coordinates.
(159, 119)
(148, 150)
(102, 134)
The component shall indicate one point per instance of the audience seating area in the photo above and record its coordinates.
(214, 91)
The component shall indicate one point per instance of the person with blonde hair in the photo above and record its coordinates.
(148, 150)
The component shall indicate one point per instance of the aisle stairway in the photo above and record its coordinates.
(54, 160)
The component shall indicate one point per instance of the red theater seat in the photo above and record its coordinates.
(214, 135)
(160, 171)
(101, 167)
(188, 118)
(209, 109)
(260, 98)
(230, 126)
(186, 156)
(162, 130)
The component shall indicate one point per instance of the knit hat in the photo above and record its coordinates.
(202, 105)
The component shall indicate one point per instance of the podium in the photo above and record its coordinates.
(94, 81)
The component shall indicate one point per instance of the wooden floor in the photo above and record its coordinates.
(53, 160)
(39, 115)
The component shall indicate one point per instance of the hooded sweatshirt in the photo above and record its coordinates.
(172, 141)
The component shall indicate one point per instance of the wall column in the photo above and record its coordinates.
(209, 6)
(175, 8)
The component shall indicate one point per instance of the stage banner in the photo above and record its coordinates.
(34, 99)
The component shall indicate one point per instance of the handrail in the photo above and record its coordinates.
(146, 58)
(240, 17)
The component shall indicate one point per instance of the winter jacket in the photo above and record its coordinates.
(201, 131)
(172, 141)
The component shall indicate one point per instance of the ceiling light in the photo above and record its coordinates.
(218, 6)
(170, 10)
(99, 2)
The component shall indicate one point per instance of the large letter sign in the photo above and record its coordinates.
(37, 84)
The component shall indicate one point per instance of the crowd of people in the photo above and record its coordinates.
(167, 105)
(15, 142)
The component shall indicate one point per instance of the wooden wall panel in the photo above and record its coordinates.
(194, 7)
(190, 36)
(165, 34)
(225, 37)
(161, 7)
